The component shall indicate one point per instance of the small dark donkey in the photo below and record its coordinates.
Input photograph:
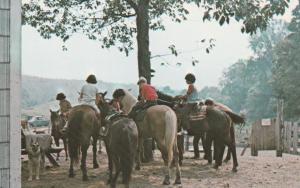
(121, 141)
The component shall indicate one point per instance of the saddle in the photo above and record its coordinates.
(114, 116)
(198, 113)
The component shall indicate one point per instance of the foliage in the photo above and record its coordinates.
(286, 72)
(247, 83)
(112, 21)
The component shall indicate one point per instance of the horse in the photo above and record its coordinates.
(160, 123)
(218, 127)
(57, 125)
(121, 141)
(83, 124)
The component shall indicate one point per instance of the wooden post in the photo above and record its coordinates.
(295, 137)
(278, 128)
(289, 136)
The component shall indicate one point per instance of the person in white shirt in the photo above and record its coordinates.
(89, 94)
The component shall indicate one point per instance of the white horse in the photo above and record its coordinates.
(160, 123)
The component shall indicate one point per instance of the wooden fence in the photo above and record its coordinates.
(270, 134)
(291, 137)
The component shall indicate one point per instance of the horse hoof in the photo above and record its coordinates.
(177, 181)
(137, 168)
(71, 175)
(96, 166)
(85, 178)
(234, 170)
(216, 167)
(108, 182)
(166, 182)
(226, 160)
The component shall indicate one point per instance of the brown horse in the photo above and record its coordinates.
(57, 125)
(82, 125)
(218, 127)
(160, 123)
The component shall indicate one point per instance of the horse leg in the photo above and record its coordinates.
(196, 146)
(217, 153)
(66, 147)
(176, 158)
(180, 145)
(56, 140)
(95, 163)
(71, 169)
(208, 143)
(222, 149)
(228, 156)
(84, 149)
(232, 148)
(116, 162)
(204, 145)
(167, 156)
(138, 155)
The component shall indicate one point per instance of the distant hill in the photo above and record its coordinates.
(37, 91)
(38, 94)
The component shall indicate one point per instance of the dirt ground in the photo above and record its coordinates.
(265, 171)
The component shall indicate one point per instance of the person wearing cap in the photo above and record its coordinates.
(64, 104)
(148, 96)
(89, 94)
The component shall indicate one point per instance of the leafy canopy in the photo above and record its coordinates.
(112, 22)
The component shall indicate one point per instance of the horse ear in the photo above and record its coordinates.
(104, 93)
(51, 111)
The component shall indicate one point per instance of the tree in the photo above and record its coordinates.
(247, 83)
(287, 69)
(112, 21)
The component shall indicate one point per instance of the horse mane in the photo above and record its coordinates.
(165, 97)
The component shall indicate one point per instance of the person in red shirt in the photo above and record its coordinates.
(148, 97)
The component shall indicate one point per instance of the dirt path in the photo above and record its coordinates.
(266, 170)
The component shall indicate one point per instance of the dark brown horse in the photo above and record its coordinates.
(218, 128)
(57, 125)
(83, 124)
(121, 141)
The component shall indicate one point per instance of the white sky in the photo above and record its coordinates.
(45, 58)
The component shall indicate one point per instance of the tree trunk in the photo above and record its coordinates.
(142, 24)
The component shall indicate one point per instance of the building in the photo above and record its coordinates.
(10, 82)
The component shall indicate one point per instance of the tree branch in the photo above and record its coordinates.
(132, 4)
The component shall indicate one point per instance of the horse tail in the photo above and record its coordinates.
(74, 137)
(171, 131)
(232, 134)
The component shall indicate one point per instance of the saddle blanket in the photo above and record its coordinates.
(199, 113)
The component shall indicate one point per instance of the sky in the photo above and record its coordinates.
(45, 58)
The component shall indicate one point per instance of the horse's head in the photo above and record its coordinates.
(104, 104)
(56, 120)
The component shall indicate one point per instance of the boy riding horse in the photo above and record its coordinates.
(148, 97)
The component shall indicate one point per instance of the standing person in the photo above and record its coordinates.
(64, 105)
(89, 94)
